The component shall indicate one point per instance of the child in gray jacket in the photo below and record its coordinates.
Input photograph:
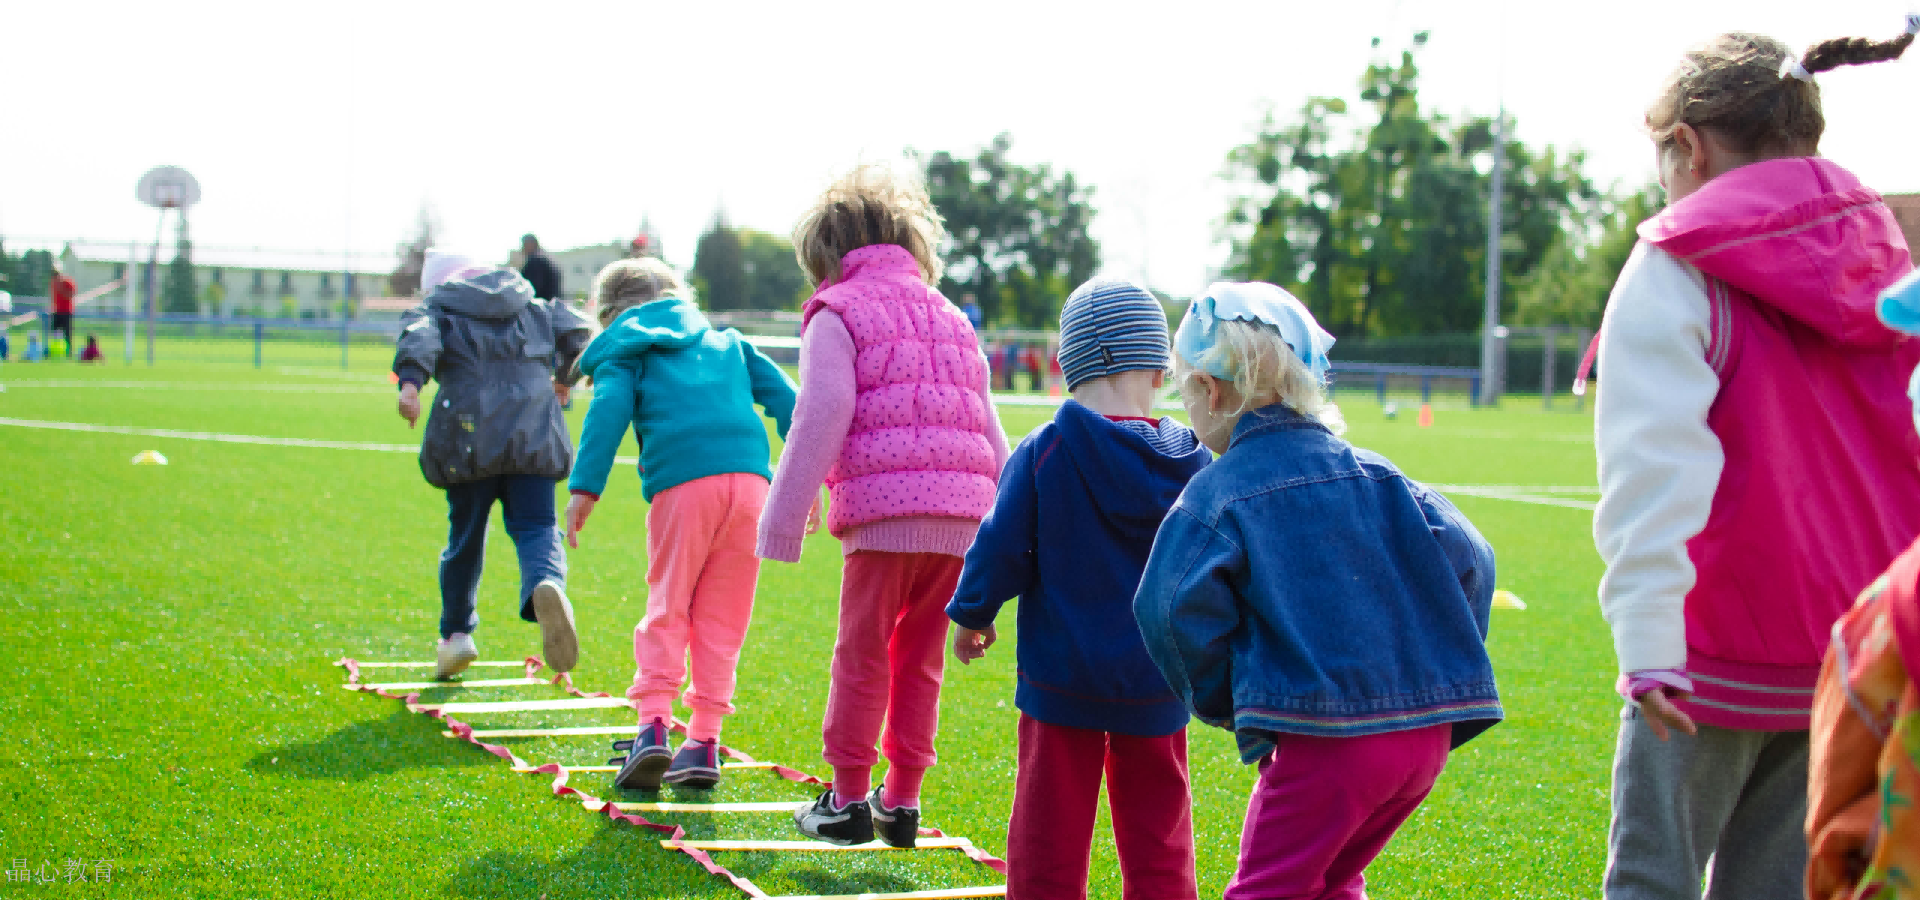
(503, 359)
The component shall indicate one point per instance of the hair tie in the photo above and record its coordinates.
(1913, 23)
(1791, 67)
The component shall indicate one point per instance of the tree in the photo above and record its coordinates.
(773, 272)
(719, 266)
(1382, 229)
(1571, 285)
(179, 295)
(1017, 236)
(405, 280)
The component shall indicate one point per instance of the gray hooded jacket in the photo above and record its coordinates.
(496, 352)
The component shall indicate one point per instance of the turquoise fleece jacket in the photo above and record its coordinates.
(689, 392)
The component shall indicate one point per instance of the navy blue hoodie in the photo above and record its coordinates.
(1079, 503)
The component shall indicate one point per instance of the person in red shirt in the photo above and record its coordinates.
(61, 288)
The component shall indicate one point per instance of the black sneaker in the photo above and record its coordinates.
(697, 765)
(646, 760)
(846, 826)
(896, 826)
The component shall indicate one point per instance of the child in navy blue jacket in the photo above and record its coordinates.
(1307, 596)
(1069, 534)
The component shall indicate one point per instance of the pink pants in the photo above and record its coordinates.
(701, 572)
(888, 661)
(1056, 795)
(1324, 808)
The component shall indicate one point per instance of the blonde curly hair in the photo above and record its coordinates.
(628, 283)
(873, 204)
(1265, 370)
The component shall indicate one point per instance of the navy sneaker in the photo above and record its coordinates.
(697, 765)
(846, 825)
(896, 826)
(646, 760)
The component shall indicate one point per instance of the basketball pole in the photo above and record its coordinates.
(133, 266)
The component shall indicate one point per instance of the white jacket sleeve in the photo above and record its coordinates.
(1659, 462)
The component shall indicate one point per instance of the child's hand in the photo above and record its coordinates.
(813, 517)
(410, 403)
(1661, 714)
(561, 392)
(969, 645)
(578, 509)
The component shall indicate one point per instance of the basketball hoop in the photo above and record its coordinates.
(168, 187)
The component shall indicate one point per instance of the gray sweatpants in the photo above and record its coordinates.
(1732, 796)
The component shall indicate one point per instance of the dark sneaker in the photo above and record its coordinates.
(646, 760)
(559, 645)
(896, 826)
(846, 826)
(697, 765)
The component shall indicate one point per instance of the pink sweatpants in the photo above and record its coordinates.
(888, 661)
(701, 571)
(1324, 808)
(1056, 795)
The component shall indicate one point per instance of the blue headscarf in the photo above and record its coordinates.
(1251, 301)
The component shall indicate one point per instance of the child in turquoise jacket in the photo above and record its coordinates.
(689, 392)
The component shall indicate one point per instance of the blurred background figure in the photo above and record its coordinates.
(538, 269)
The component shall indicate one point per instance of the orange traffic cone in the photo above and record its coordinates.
(1426, 415)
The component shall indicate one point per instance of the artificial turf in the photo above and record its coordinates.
(172, 710)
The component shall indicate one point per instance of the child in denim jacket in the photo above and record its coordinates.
(1306, 595)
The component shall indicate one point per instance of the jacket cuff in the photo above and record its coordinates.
(1631, 686)
(414, 374)
(967, 617)
(779, 548)
(590, 495)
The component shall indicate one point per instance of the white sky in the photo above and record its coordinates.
(327, 125)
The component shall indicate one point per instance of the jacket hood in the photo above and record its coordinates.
(1801, 235)
(495, 294)
(1136, 479)
(669, 323)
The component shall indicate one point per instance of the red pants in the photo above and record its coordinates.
(888, 661)
(1056, 795)
(1324, 808)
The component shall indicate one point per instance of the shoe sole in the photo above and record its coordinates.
(643, 774)
(559, 645)
(701, 781)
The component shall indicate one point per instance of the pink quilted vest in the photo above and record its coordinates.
(918, 442)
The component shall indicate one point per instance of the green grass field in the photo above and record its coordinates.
(173, 712)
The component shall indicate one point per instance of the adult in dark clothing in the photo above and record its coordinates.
(539, 269)
(504, 360)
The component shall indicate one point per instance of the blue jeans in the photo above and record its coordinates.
(527, 503)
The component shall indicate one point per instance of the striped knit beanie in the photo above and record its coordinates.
(1111, 325)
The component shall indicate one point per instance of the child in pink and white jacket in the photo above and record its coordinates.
(1757, 465)
(894, 416)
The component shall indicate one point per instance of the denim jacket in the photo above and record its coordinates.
(1304, 586)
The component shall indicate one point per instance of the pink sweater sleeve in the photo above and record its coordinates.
(822, 413)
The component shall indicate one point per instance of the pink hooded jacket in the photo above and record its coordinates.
(1821, 485)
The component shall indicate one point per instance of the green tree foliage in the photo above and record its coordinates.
(1381, 228)
(26, 274)
(179, 295)
(719, 266)
(1571, 284)
(1018, 235)
(740, 268)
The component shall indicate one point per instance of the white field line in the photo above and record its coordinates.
(234, 438)
(1520, 494)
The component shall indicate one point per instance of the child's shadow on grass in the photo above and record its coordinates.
(365, 749)
(622, 860)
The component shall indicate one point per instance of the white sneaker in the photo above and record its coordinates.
(454, 655)
(559, 645)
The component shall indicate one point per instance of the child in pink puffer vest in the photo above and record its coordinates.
(894, 416)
